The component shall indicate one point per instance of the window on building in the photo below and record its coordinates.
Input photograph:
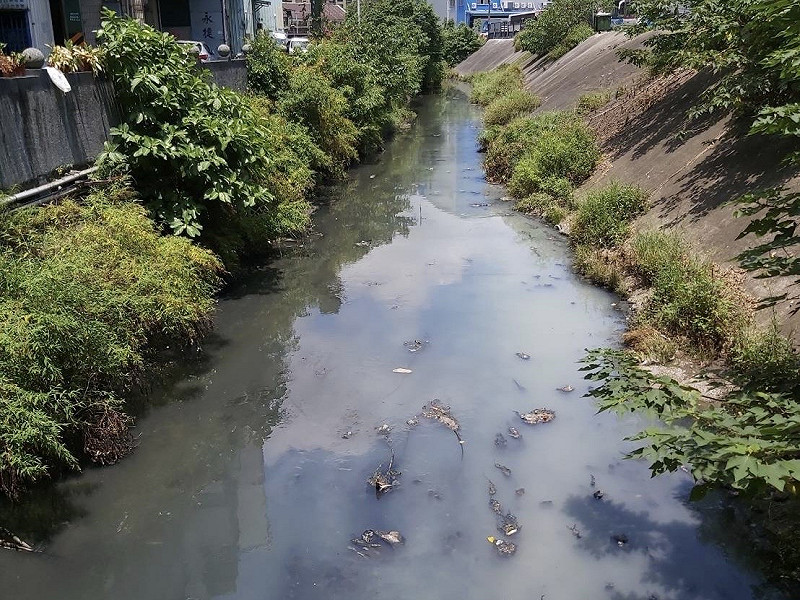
(14, 30)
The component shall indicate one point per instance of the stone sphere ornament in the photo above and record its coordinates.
(33, 58)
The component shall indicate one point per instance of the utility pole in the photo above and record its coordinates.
(358, 10)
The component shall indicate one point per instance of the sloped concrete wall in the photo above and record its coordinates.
(42, 129)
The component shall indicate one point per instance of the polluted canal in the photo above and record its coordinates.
(378, 415)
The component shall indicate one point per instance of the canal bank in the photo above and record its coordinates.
(251, 476)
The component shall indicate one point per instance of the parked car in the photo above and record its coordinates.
(297, 44)
(280, 39)
(204, 52)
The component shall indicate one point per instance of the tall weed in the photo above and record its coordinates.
(87, 291)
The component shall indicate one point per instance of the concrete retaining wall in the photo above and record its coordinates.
(42, 128)
(229, 73)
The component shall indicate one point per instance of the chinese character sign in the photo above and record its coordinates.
(206, 21)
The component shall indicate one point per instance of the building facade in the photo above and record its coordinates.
(25, 23)
(472, 11)
(43, 23)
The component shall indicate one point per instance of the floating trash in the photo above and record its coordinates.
(437, 411)
(367, 544)
(524, 356)
(566, 388)
(520, 491)
(575, 531)
(384, 481)
(412, 422)
(402, 370)
(503, 547)
(503, 469)
(384, 429)
(496, 506)
(414, 345)
(537, 416)
(9, 541)
(347, 435)
(391, 537)
(499, 440)
(620, 539)
(591, 480)
(598, 495)
(508, 524)
(492, 488)
(514, 433)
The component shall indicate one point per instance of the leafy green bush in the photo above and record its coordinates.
(505, 108)
(750, 442)
(87, 291)
(552, 144)
(752, 46)
(603, 218)
(366, 104)
(489, 85)
(688, 297)
(194, 150)
(458, 42)
(552, 147)
(401, 42)
(577, 34)
(267, 67)
(592, 101)
(312, 101)
(559, 20)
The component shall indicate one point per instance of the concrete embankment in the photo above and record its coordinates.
(691, 169)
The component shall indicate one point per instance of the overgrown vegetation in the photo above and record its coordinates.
(87, 293)
(91, 291)
(592, 101)
(458, 42)
(490, 85)
(752, 45)
(603, 217)
(559, 28)
(751, 442)
(505, 108)
(199, 154)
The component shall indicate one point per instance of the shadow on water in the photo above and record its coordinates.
(675, 562)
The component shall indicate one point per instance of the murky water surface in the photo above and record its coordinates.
(250, 478)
